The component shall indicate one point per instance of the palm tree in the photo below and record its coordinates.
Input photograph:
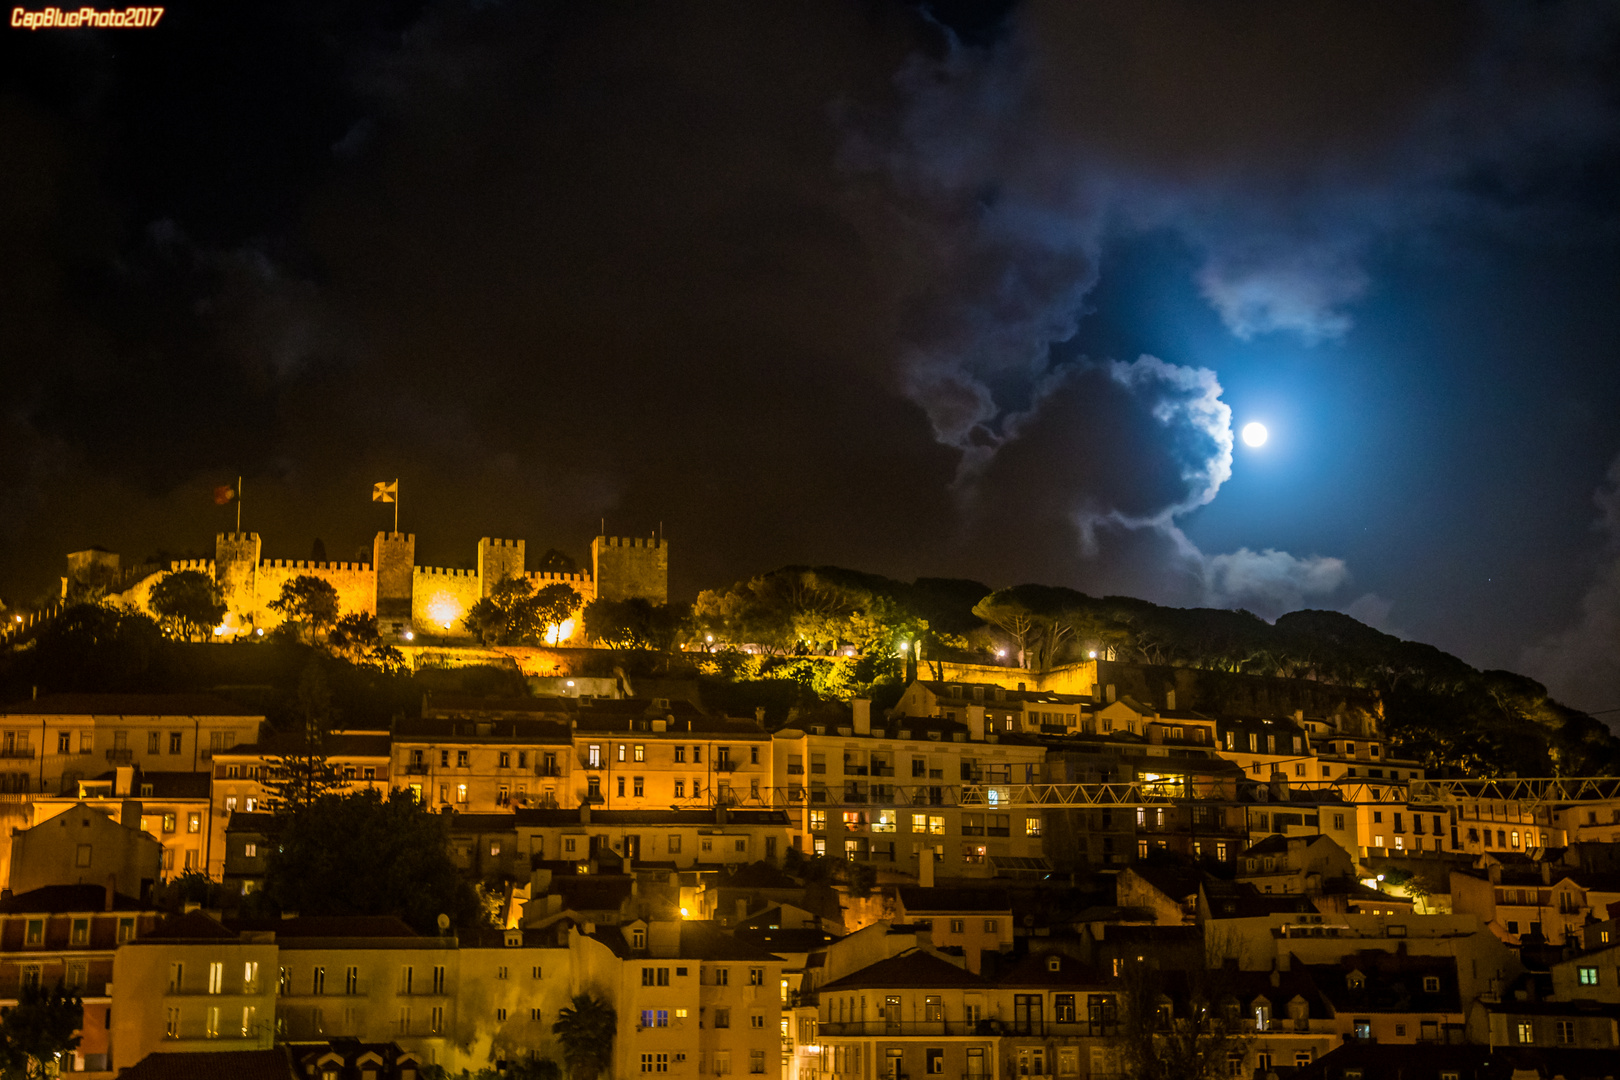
(586, 1029)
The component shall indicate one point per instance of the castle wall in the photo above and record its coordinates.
(440, 597)
(631, 566)
(356, 585)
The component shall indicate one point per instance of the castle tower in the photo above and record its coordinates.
(236, 571)
(630, 566)
(393, 556)
(497, 560)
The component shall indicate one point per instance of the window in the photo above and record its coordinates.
(436, 1016)
(1032, 826)
(170, 822)
(992, 926)
(171, 1024)
(722, 1018)
(126, 930)
(756, 1062)
(1566, 1032)
(722, 976)
(1431, 984)
(756, 1020)
(438, 982)
(638, 787)
(317, 982)
(174, 742)
(756, 976)
(936, 1060)
(462, 759)
(534, 1014)
(154, 741)
(654, 1063)
(1526, 1032)
(621, 787)
(193, 823)
(81, 932)
(500, 1016)
(1063, 1009)
(753, 755)
(36, 932)
(680, 755)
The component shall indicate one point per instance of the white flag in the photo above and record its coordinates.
(384, 492)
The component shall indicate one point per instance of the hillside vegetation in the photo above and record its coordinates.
(800, 639)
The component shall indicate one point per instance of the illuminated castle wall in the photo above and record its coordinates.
(411, 602)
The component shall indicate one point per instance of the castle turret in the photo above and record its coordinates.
(498, 560)
(626, 567)
(236, 570)
(394, 557)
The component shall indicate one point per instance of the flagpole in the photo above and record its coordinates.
(396, 506)
(238, 504)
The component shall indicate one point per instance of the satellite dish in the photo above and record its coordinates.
(444, 923)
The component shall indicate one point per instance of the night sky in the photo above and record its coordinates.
(950, 290)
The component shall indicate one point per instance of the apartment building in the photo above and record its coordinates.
(481, 765)
(512, 983)
(1519, 897)
(69, 934)
(84, 845)
(912, 1014)
(691, 999)
(191, 985)
(886, 791)
(659, 753)
(172, 807)
(684, 839)
(973, 920)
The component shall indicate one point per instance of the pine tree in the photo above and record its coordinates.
(294, 781)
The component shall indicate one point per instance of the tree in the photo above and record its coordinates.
(553, 606)
(514, 614)
(1180, 1025)
(361, 854)
(1003, 609)
(635, 623)
(309, 604)
(187, 603)
(586, 1029)
(295, 781)
(36, 1031)
(355, 638)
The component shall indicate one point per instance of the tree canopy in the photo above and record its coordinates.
(187, 603)
(586, 1029)
(309, 605)
(515, 614)
(36, 1031)
(636, 623)
(362, 854)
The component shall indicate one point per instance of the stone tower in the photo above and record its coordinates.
(236, 571)
(625, 567)
(394, 560)
(497, 560)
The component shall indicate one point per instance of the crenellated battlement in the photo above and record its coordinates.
(442, 571)
(545, 577)
(497, 542)
(203, 566)
(317, 567)
(630, 541)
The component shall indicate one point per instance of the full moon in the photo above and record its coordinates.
(1254, 434)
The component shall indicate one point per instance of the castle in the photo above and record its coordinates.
(411, 602)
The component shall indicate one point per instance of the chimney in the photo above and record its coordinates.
(124, 782)
(1279, 787)
(759, 715)
(863, 715)
(585, 812)
(1546, 873)
(1110, 692)
(975, 722)
(1170, 701)
(111, 891)
(925, 867)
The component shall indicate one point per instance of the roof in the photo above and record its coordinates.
(1175, 882)
(128, 705)
(758, 875)
(243, 821)
(336, 744)
(698, 941)
(1389, 983)
(913, 969)
(996, 694)
(236, 1064)
(330, 926)
(915, 899)
(1036, 969)
(192, 926)
(799, 939)
(550, 730)
(62, 899)
(165, 785)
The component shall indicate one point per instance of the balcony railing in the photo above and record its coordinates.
(17, 752)
(854, 770)
(543, 769)
(416, 768)
(121, 755)
(904, 1027)
(795, 770)
(882, 770)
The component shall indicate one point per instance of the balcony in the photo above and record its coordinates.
(867, 1028)
(416, 768)
(17, 752)
(882, 770)
(795, 770)
(854, 770)
(548, 770)
(121, 755)
(725, 765)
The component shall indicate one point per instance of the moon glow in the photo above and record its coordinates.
(1255, 434)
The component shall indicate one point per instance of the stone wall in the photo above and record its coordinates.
(626, 566)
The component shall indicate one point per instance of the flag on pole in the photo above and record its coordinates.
(224, 494)
(384, 492)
